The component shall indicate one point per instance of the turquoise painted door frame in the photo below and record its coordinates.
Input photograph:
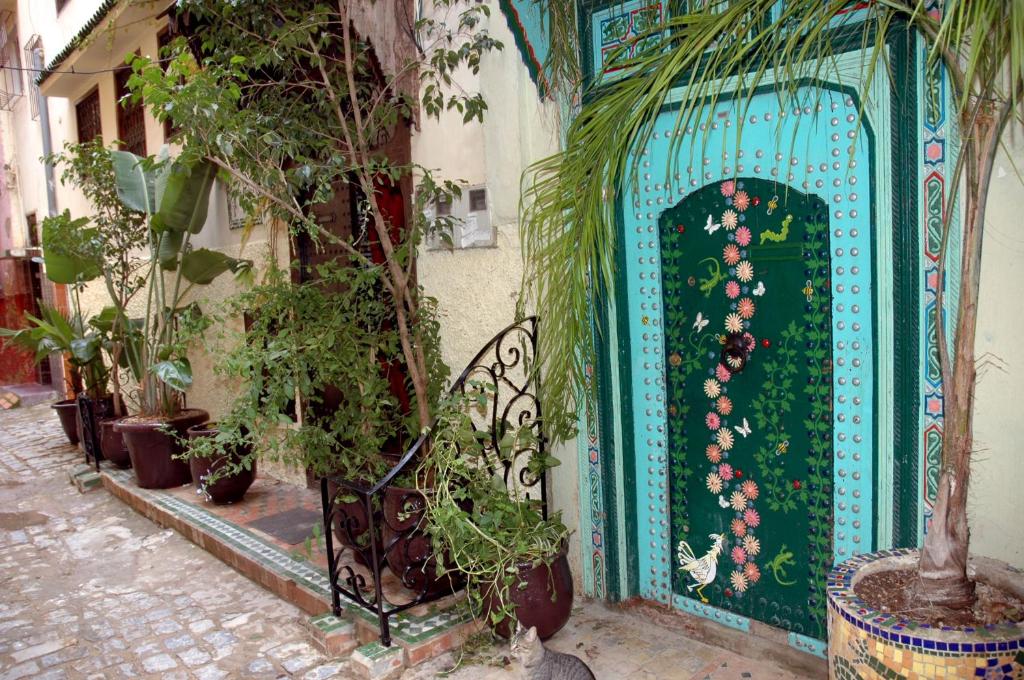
(883, 249)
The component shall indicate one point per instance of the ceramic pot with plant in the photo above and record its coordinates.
(320, 340)
(81, 342)
(221, 461)
(67, 412)
(173, 196)
(510, 551)
(112, 444)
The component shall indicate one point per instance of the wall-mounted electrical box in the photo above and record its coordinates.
(472, 226)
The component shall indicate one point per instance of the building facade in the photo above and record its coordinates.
(847, 293)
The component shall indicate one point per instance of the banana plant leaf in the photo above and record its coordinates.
(64, 263)
(176, 374)
(204, 265)
(136, 185)
(185, 197)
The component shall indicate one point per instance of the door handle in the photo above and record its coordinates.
(735, 352)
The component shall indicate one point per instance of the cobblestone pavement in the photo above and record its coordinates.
(90, 589)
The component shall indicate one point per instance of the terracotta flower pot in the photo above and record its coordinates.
(863, 642)
(410, 552)
(228, 489)
(112, 444)
(542, 597)
(67, 411)
(154, 452)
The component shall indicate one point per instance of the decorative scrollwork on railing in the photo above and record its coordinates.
(373, 529)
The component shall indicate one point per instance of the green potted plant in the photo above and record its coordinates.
(487, 529)
(319, 344)
(81, 343)
(173, 195)
(108, 248)
(701, 53)
(69, 247)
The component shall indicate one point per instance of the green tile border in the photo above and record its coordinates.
(406, 628)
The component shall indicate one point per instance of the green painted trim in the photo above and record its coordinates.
(533, 64)
(629, 460)
(906, 292)
(90, 25)
(609, 454)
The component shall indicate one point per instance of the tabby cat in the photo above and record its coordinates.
(538, 663)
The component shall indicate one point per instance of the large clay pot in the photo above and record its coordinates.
(410, 552)
(67, 411)
(351, 526)
(228, 489)
(542, 597)
(863, 642)
(112, 444)
(154, 453)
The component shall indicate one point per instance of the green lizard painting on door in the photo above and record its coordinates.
(747, 309)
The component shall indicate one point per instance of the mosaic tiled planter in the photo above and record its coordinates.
(865, 644)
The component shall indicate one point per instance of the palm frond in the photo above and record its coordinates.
(571, 199)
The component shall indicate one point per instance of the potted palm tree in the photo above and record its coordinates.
(697, 56)
(173, 195)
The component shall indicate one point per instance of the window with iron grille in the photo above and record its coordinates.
(131, 118)
(87, 116)
(10, 62)
(34, 43)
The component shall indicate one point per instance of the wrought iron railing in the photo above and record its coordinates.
(89, 419)
(372, 528)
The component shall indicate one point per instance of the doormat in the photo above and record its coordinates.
(291, 526)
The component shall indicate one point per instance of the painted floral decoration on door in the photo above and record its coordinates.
(748, 336)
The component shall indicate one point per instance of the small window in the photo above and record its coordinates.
(131, 116)
(33, 230)
(10, 62)
(477, 200)
(87, 116)
(34, 43)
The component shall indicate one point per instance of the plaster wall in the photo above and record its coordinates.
(477, 288)
(996, 503)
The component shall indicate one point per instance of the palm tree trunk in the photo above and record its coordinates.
(943, 578)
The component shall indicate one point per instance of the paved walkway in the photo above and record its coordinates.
(89, 589)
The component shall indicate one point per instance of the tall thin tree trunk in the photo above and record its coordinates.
(943, 567)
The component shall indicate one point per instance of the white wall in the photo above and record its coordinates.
(996, 501)
(477, 288)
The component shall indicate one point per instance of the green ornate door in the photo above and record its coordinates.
(747, 340)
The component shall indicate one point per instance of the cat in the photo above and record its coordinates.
(538, 663)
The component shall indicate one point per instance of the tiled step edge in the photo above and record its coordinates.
(422, 637)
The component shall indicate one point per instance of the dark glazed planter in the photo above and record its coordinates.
(112, 444)
(67, 411)
(545, 601)
(153, 452)
(226, 489)
(411, 553)
(350, 526)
